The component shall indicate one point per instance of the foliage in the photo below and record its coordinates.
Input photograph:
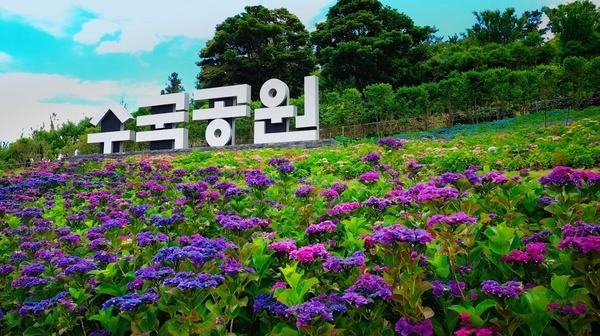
(363, 42)
(255, 46)
(173, 84)
(286, 242)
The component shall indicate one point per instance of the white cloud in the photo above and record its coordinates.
(27, 101)
(93, 30)
(144, 24)
(5, 58)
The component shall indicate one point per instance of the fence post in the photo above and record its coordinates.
(343, 131)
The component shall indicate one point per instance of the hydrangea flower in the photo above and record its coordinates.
(325, 226)
(336, 264)
(129, 302)
(454, 219)
(581, 237)
(369, 177)
(391, 142)
(258, 180)
(561, 176)
(322, 306)
(37, 308)
(407, 327)
(452, 286)
(376, 203)
(371, 158)
(187, 280)
(343, 208)
(304, 191)
(285, 246)
(510, 289)
(398, 233)
(309, 253)
(233, 222)
(533, 252)
(366, 289)
(269, 303)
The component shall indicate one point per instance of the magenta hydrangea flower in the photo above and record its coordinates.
(369, 177)
(309, 253)
(285, 246)
(343, 208)
(329, 193)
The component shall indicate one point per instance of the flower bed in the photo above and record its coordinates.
(290, 243)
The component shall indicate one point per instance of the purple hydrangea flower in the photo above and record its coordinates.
(372, 158)
(406, 327)
(343, 208)
(325, 226)
(454, 219)
(366, 289)
(376, 203)
(391, 142)
(304, 191)
(322, 306)
(336, 264)
(510, 289)
(269, 303)
(398, 233)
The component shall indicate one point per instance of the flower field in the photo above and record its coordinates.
(397, 237)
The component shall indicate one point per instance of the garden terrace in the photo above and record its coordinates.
(409, 237)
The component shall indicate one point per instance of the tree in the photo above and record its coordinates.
(255, 46)
(362, 43)
(577, 27)
(173, 84)
(493, 26)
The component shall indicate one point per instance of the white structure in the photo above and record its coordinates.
(275, 95)
(226, 105)
(108, 137)
(180, 104)
(237, 94)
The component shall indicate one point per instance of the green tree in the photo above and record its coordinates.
(173, 84)
(378, 100)
(362, 42)
(255, 46)
(493, 26)
(574, 79)
(577, 28)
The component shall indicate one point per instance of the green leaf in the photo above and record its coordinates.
(536, 322)
(34, 331)
(443, 272)
(175, 328)
(483, 306)
(108, 288)
(560, 284)
(283, 330)
(305, 286)
(148, 322)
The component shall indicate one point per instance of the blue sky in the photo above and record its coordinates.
(69, 57)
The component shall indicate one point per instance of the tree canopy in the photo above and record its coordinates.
(363, 42)
(577, 28)
(173, 84)
(255, 46)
